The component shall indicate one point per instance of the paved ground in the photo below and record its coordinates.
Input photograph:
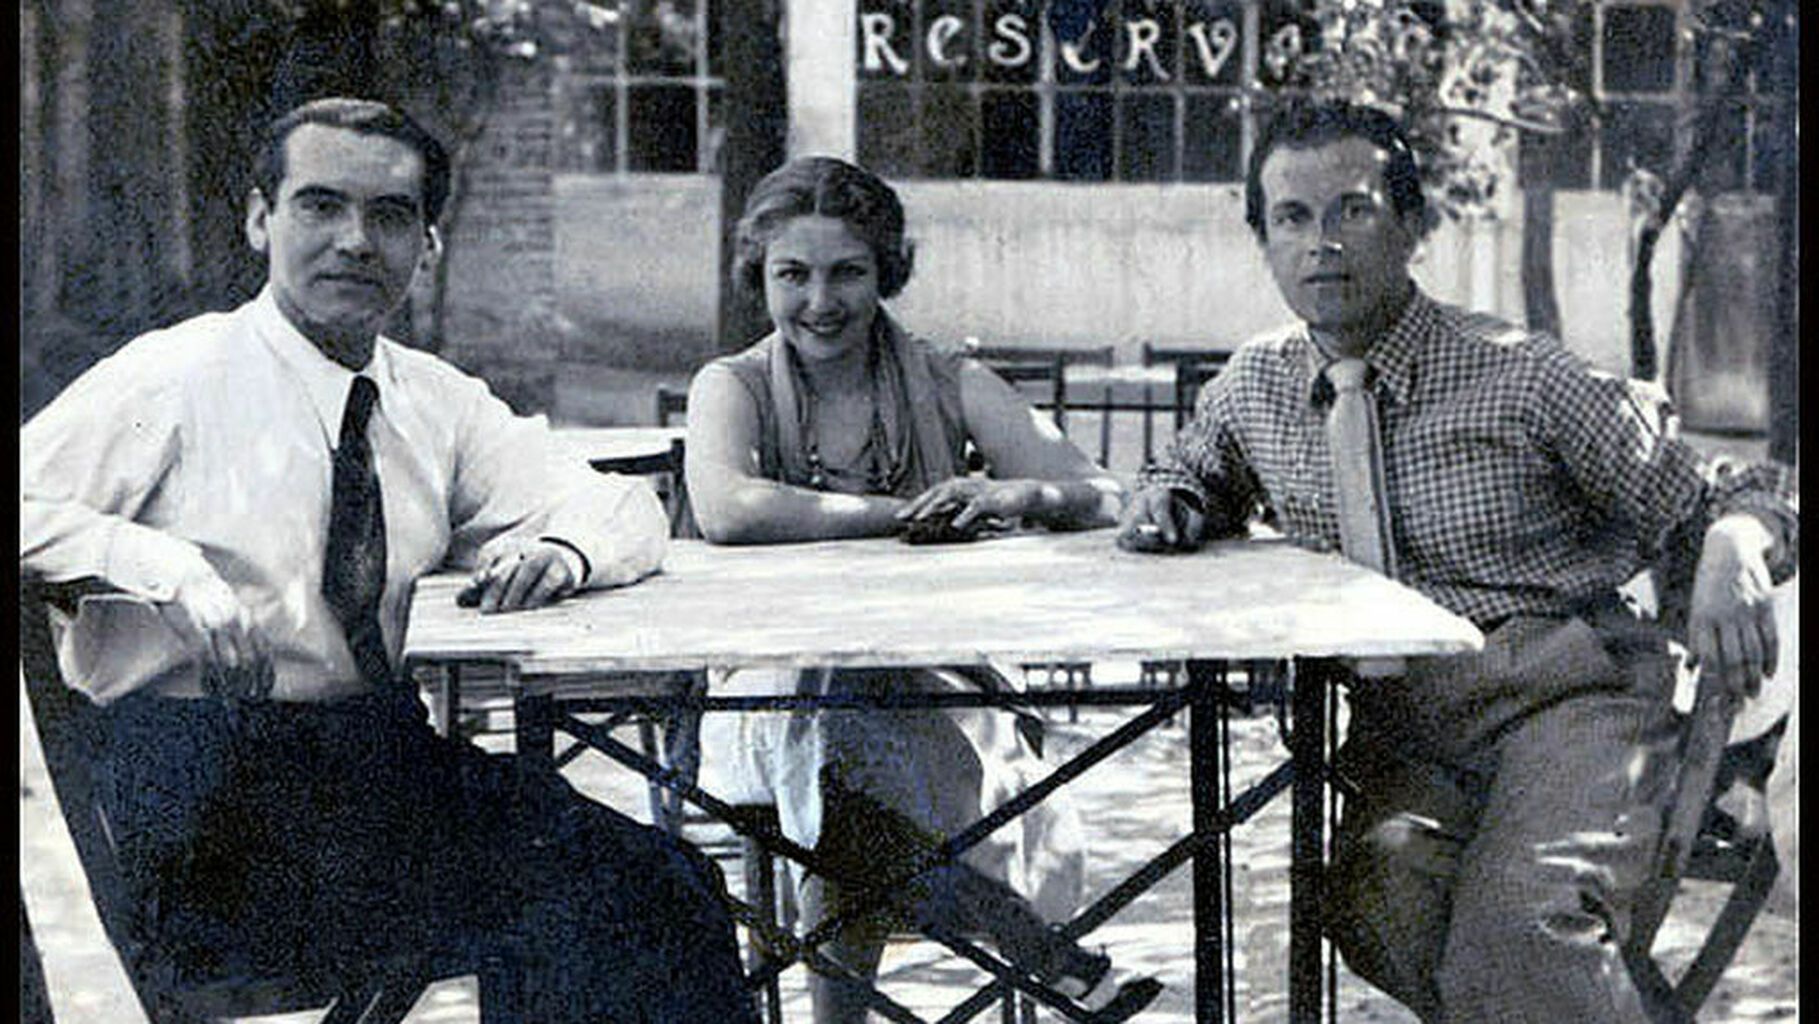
(1134, 804)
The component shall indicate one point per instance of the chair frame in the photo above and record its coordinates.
(1039, 363)
(1192, 368)
(72, 734)
(671, 404)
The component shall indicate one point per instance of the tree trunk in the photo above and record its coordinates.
(757, 122)
(1539, 304)
(1784, 347)
(1712, 105)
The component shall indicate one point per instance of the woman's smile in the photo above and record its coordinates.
(821, 286)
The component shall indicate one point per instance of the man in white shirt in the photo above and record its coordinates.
(263, 486)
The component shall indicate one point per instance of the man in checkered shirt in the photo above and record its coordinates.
(1507, 803)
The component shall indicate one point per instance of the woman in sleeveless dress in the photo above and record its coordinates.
(840, 424)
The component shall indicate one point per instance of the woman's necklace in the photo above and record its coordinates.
(874, 463)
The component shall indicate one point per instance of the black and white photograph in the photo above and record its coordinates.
(842, 511)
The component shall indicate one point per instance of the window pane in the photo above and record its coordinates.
(1083, 136)
(950, 131)
(1212, 45)
(1563, 161)
(661, 36)
(1635, 135)
(1008, 128)
(1147, 145)
(949, 41)
(1286, 31)
(887, 129)
(1083, 39)
(1146, 44)
(1728, 160)
(586, 140)
(886, 49)
(1012, 44)
(716, 13)
(661, 128)
(1213, 143)
(1638, 49)
(1772, 151)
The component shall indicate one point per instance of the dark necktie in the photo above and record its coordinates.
(1351, 431)
(353, 567)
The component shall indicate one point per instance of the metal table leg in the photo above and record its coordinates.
(1307, 745)
(1206, 777)
(445, 703)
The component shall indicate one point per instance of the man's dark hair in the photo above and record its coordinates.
(832, 188)
(1303, 123)
(368, 117)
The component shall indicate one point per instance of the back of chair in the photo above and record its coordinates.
(1192, 367)
(1684, 842)
(667, 468)
(672, 405)
(74, 738)
(73, 733)
(1040, 364)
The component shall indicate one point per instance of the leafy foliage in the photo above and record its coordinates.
(1464, 75)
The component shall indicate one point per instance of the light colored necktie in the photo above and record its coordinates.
(1351, 433)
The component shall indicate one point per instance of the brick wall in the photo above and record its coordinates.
(501, 319)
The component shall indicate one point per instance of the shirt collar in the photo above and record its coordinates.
(325, 381)
(1391, 358)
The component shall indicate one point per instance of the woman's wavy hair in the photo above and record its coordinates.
(832, 188)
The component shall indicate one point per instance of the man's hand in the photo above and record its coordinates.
(234, 657)
(518, 572)
(1731, 623)
(1161, 520)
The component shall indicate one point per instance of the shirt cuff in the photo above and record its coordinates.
(1166, 478)
(625, 544)
(578, 565)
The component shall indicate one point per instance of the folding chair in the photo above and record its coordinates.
(681, 732)
(1699, 839)
(1193, 367)
(73, 735)
(671, 405)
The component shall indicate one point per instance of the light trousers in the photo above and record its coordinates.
(1507, 807)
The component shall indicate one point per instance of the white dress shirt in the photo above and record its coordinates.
(212, 440)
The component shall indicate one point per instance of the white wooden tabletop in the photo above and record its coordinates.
(1029, 597)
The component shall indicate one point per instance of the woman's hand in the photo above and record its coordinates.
(969, 498)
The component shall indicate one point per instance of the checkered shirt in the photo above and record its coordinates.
(1520, 480)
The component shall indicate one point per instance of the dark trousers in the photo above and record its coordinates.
(1508, 807)
(287, 839)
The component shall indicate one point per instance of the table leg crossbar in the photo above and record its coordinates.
(1214, 819)
(1216, 812)
(598, 736)
(782, 947)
